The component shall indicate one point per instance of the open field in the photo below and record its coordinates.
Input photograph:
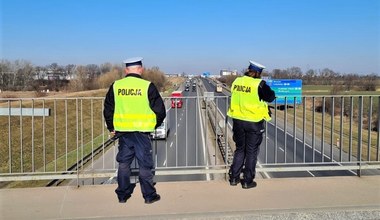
(341, 130)
(41, 143)
(52, 143)
(326, 90)
(174, 83)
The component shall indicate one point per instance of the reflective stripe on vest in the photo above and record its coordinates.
(245, 102)
(132, 109)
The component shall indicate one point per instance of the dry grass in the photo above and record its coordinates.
(33, 142)
(350, 142)
(52, 143)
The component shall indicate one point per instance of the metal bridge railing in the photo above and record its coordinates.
(65, 138)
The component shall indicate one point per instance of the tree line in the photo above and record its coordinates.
(21, 75)
(326, 76)
(340, 81)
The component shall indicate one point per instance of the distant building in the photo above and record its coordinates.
(50, 75)
(225, 72)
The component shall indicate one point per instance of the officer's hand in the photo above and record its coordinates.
(269, 112)
(113, 133)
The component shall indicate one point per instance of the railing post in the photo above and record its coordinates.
(285, 127)
(226, 135)
(369, 129)
(332, 129)
(275, 131)
(323, 129)
(304, 130)
(378, 130)
(350, 129)
(294, 130)
(341, 128)
(360, 125)
(9, 137)
(313, 130)
(77, 136)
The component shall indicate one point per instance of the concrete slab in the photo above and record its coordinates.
(286, 198)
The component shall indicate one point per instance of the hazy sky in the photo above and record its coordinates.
(195, 36)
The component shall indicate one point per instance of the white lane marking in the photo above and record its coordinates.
(258, 162)
(164, 163)
(315, 149)
(204, 145)
(171, 145)
(311, 173)
(306, 144)
(110, 179)
(281, 149)
(265, 173)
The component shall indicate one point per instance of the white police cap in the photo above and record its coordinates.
(133, 61)
(255, 66)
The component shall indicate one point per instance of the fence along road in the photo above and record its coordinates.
(44, 147)
(317, 148)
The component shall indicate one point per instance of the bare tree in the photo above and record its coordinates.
(326, 75)
(69, 71)
(106, 79)
(294, 73)
(105, 68)
(280, 74)
(22, 74)
(349, 81)
(370, 82)
(81, 81)
(154, 75)
(6, 72)
(93, 71)
(310, 77)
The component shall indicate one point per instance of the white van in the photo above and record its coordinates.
(219, 87)
(162, 131)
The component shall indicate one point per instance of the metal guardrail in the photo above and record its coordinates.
(299, 138)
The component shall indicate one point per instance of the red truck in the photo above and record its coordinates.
(176, 98)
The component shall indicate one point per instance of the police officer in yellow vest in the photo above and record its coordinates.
(133, 108)
(249, 110)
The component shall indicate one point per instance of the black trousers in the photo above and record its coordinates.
(135, 145)
(248, 137)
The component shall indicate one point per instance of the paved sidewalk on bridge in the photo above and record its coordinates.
(290, 198)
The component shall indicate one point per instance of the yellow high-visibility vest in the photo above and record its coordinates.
(245, 102)
(132, 109)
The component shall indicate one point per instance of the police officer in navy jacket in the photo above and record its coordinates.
(249, 110)
(133, 108)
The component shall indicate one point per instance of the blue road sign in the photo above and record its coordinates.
(206, 74)
(286, 89)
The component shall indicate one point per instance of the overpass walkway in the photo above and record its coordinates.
(290, 198)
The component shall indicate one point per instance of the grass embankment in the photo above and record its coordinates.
(347, 145)
(51, 143)
(317, 90)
